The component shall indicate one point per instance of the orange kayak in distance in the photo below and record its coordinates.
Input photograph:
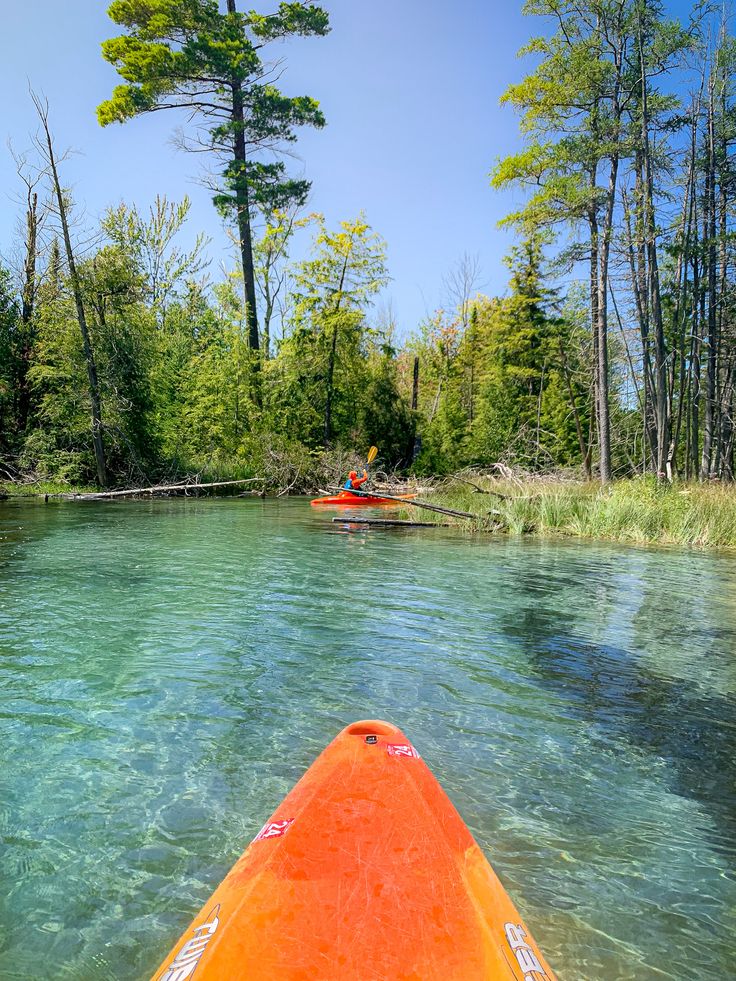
(364, 872)
(345, 498)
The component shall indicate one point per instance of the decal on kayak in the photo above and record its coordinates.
(524, 954)
(185, 963)
(402, 749)
(274, 829)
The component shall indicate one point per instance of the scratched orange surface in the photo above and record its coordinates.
(351, 500)
(365, 872)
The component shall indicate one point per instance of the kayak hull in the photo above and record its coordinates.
(347, 499)
(364, 872)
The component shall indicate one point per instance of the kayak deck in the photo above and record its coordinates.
(364, 872)
(346, 499)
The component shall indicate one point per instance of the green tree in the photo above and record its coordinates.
(572, 109)
(149, 244)
(218, 409)
(332, 291)
(509, 380)
(272, 271)
(186, 54)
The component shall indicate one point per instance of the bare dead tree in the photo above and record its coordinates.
(45, 145)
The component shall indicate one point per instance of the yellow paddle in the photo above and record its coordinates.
(372, 454)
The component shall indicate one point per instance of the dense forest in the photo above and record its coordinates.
(612, 353)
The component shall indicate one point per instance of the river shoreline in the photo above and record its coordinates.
(638, 511)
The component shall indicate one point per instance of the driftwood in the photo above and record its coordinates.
(508, 474)
(159, 489)
(476, 488)
(414, 504)
(463, 480)
(495, 493)
(389, 522)
(480, 490)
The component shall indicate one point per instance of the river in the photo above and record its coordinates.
(168, 669)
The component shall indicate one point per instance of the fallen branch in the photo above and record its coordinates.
(390, 522)
(414, 504)
(508, 474)
(285, 490)
(159, 489)
(481, 490)
(476, 488)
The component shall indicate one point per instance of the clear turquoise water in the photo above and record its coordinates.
(169, 669)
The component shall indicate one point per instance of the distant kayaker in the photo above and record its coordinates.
(354, 481)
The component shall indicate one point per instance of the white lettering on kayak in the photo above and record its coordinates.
(185, 963)
(525, 956)
(274, 829)
(402, 749)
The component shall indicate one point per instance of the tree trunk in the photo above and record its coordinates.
(661, 407)
(584, 450)
(94, 389)
(604, 425)
(593, 286)
(333, 353)
(680, 315)
(696, 356)
(710, 236)
(243, 208)
(416, 446)
(637, 267)
(601, 241)
(725, 180)
(27, 308)
(330, 382)
(415, 385)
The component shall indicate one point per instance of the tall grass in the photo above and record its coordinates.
(638, 510)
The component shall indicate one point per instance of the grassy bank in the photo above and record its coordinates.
(637, 510)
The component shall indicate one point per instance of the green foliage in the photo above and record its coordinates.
(181, 388)
(504, 387)
(149, 247)
(326, 349)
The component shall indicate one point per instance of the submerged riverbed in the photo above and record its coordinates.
(169, 669)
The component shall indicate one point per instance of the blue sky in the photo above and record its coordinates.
(410, 89)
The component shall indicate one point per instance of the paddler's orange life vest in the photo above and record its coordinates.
(354, 481)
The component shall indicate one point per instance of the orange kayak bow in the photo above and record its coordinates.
(365, 871)
(346, 499)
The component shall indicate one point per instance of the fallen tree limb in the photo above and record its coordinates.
(414, 504)
(476, 487)
(508, 474)
(481, 490)
(159, 489)
(389, 522)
